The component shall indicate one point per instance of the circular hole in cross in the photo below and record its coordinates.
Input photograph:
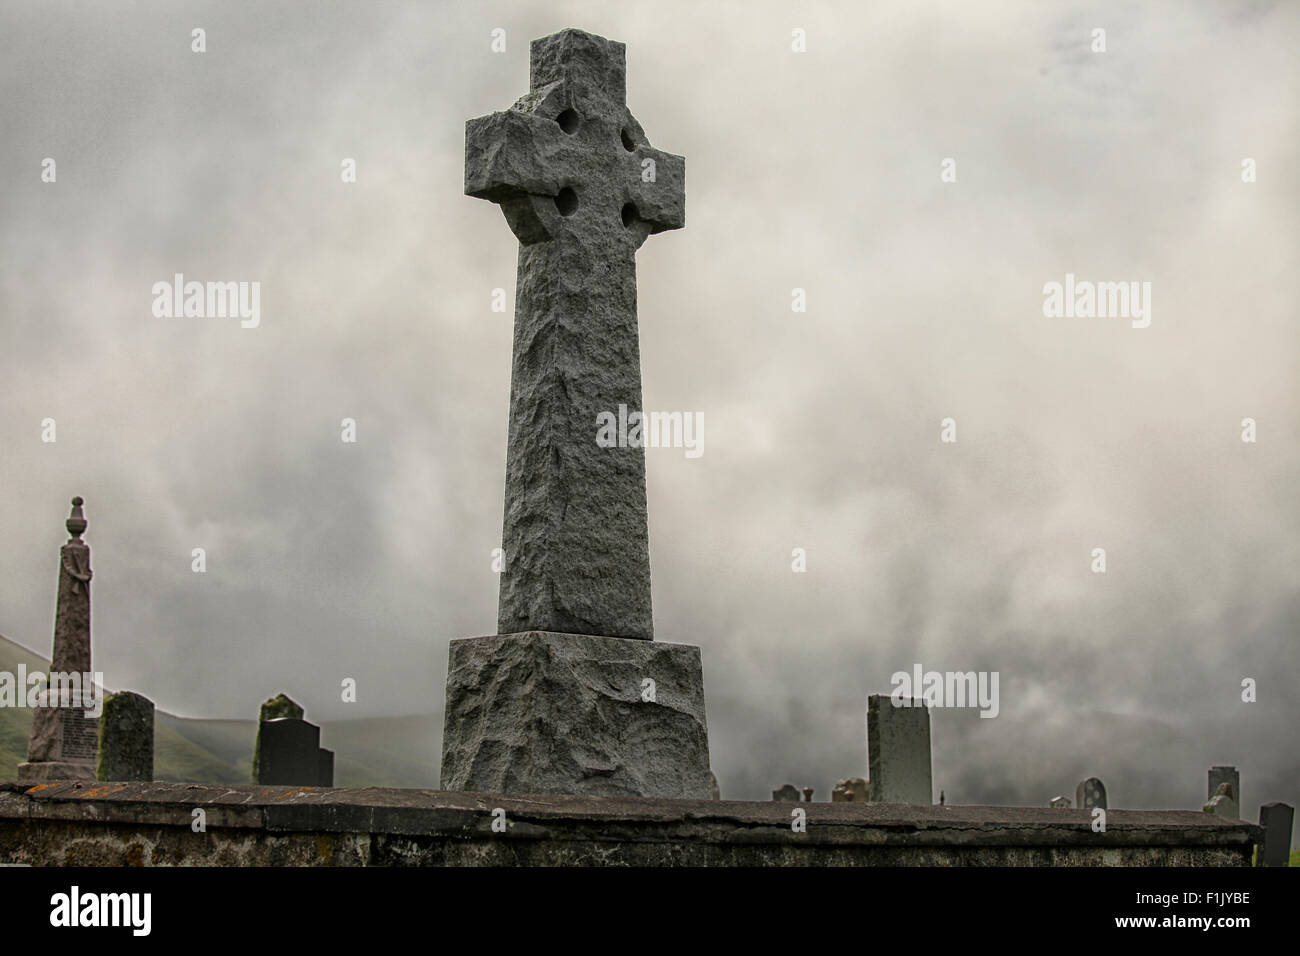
(628, 143)
(568, 121)
(566, 201)
(630, 215)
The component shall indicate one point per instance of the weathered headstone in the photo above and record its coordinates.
(898, 751)
(786, 793)
(1090, 793)
(1277, 820)
(325, 772)
(1220, 775)
(573, 695)
(276, 708)
(281, 705)
(126, 738)
(1060, 803)
(290, 753)
(851, 790)
(1222, 804)
(64, 737)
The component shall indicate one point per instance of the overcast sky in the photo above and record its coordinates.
(817, 170)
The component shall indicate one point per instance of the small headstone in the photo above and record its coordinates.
(126, 738)
(1220, 775)
(898, 751)
(1222, 804)
(290, 753)
(807, 794)
(278, 707)
(326, 778)
(851, 790)
(1277, 820)
(1060, 803)
(1090, 793)
(787, 793)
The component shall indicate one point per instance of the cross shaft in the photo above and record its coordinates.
(581, 189)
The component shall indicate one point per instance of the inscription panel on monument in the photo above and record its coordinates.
(80, 740)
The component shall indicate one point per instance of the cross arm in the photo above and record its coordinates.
(511, 154)
(659, 190)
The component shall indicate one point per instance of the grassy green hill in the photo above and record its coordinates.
(375, 752)
(15, 722)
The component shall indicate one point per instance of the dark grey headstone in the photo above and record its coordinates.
(281, 705)
(898, 751)
(290, 752)
(1277, 820)
(126, 738)
(787, 793)
(1090, 793)
(326, 778)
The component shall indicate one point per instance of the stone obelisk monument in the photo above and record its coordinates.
(64, 738)
(573, 695)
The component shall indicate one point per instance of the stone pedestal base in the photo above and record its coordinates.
(544, 712)
(64, 739)
(47, 771)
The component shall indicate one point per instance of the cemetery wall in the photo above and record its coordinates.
(151, 824)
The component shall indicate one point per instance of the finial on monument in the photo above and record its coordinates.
(76, 522)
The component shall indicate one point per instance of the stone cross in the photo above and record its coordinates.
(581, 189)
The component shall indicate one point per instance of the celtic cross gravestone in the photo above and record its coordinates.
(574, 695)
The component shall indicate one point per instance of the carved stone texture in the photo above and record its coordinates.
(126, 738)
(581, 188)
(544, 712)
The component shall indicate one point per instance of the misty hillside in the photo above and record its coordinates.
(375, 752)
